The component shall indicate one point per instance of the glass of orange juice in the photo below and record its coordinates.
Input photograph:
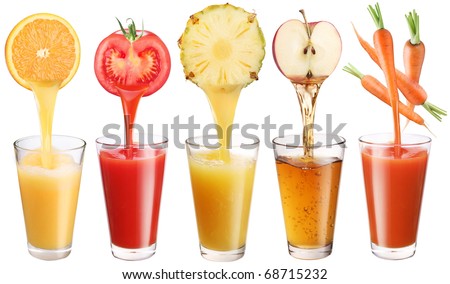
(49, 193)
(222, 185)
(394, 177)
(309, 186)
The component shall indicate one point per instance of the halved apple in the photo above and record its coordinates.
(306, 52)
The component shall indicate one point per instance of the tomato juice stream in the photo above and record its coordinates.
(130, 102)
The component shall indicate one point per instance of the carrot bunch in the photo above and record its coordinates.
(383, 55)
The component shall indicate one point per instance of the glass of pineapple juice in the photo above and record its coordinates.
(49, 193)
(309, 186)
(222, 185)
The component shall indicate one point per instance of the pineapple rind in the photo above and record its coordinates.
(222, 23)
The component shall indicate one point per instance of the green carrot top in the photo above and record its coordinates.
(376, 15)
(413, 24)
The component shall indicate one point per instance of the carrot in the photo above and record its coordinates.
(376, 88)
(412, 91)
(413, 52)
(384, 47)
(414, 49)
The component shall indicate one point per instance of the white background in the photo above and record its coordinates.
(83, 108)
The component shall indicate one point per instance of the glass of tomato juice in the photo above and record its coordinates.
(394, 177)
(132, 178)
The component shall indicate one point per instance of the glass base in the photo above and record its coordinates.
(133, 254)
(394, 253)
(216, 255)
(46, 254)
(309, 254)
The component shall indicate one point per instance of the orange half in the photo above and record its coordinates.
(42, 48)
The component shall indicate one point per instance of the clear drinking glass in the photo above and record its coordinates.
(394, 177)
(222, 185)
(132, 183)
(49, 185)
(309, 187)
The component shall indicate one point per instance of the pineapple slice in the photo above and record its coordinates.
(222, 46)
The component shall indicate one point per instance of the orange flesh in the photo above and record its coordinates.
(44, 50)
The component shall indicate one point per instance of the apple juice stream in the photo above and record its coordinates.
(307, 94)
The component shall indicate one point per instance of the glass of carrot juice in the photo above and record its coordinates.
(309, 179)
(49, 184)
(132, 178)
(222, 185)
(394, 177)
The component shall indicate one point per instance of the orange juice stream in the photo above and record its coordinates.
(45, 94)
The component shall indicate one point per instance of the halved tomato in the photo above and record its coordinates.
(140, 63)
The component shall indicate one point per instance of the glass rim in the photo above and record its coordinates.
(164, 140)
(336, 143)
(254, 141)
(16, 143)
(426, 140)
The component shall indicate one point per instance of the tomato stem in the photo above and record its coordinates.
(131, 33)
